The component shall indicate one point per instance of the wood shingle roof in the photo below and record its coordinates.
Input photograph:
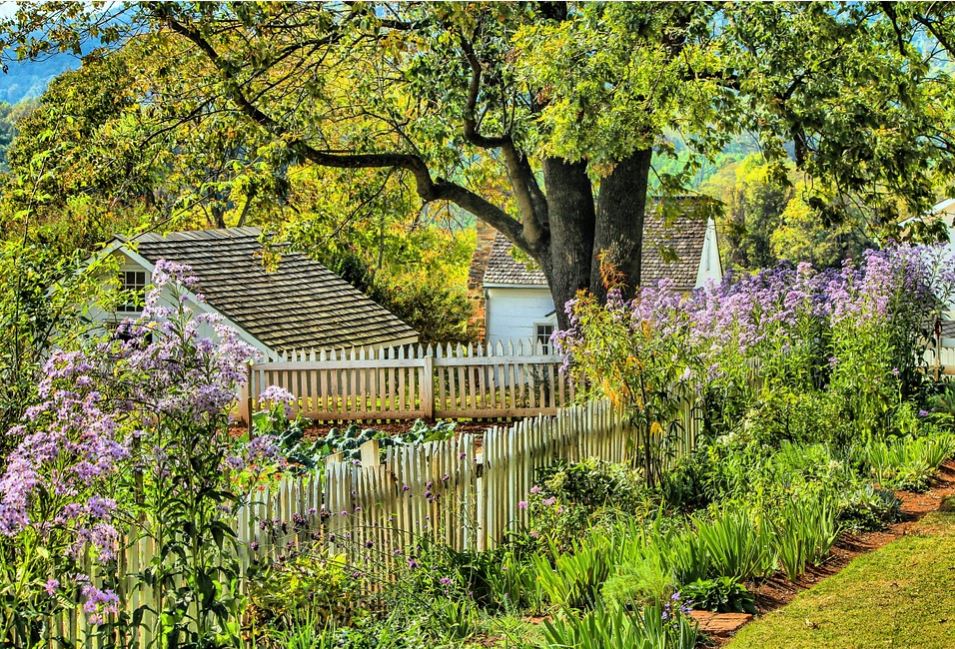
(301, 304)
(672, 248)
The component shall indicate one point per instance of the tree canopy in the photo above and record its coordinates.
(549, 121)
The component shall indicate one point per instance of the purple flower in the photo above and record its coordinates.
(52, 585)
(99, 603)
(522, 504)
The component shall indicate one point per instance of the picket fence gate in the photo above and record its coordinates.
(517, 379)
(466, 492)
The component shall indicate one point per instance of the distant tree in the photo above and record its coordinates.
(567, 104)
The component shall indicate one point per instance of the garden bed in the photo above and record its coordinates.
(776, 592)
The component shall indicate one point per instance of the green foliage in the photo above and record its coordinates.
(805, 529)
(868, 508)
(735, 544)
(722, 594)
(573, 580)
(305, 454)
(905, 462)
(313, 585)
(593, 484)
(644, 576)
(806, 416)
(570, 497)
(606, 627)
(773, 214)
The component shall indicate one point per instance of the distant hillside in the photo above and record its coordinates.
(28, 79)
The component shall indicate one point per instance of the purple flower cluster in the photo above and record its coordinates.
(72, 445)
(99, 604)
(174, 368)
(777, 313)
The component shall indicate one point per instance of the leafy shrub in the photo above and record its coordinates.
(311, 586)
(803, 416)
(805, 529)
(498, 579)
(573, 497)
(721, 594)
(653, 627)
(593, 484)
(905, 462)
(644, 576)
(867, 508)
(456, 619)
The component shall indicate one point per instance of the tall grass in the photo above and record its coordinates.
(603, 628)
(805, 530)
(905, 462)
(735, 545)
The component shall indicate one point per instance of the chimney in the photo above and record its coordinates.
(485, 241)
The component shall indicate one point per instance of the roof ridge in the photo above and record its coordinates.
(209, 234)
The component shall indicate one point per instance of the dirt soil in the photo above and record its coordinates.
(776, 592)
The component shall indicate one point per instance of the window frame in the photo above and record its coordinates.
(132, 293)
(543, 324)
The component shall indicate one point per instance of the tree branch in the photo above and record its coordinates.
(530, 199)
(428, 189)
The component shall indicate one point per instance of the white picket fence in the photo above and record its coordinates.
(465, 492)
(374, 384)
(941, 361)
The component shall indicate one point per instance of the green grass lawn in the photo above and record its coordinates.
(902, 595)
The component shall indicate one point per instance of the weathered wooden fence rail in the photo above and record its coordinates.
(465, 492)
(514, 380)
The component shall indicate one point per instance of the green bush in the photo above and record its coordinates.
(867, 508)
(593, 484)
(313, 586)
(784, 414)
(721, 594)
(654, 627)
(569, 498)
(643, 577)
(905, 462)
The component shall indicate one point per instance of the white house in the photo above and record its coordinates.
(517, 301)
(945, 210)
(300, 304)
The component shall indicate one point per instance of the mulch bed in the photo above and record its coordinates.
(776, 592)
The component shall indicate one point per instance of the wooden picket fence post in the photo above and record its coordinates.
(410, 382)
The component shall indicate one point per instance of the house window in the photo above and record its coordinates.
(543, 333)
(132, 284)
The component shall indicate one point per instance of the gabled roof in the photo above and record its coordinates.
(300, 305)
(672, 248)
(504, 270)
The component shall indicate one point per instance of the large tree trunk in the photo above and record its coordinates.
(618, 235)
(570, 208)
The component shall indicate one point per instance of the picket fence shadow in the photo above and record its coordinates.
(466, 492)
